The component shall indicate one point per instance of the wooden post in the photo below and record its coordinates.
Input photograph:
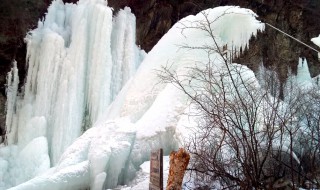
(156, 170)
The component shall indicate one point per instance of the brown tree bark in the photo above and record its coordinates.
(178, 164)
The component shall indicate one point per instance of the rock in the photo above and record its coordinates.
(178, 164)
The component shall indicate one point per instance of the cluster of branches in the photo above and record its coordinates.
(247, 137)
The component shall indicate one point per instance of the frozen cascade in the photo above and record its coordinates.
(303, 74)
(300, 81)
(68, 84)
(12, 92)
(142, 117)
(122, 43)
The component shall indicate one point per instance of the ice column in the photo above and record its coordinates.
(12, 91)
(124, 52)
(75, 69)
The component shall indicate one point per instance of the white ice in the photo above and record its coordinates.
(75, 71)
(316, 41)
(69, 82)
(300, 81)
(141, 181)
(11, 92)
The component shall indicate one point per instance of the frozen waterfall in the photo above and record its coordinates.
(74, 63)
(82, 64)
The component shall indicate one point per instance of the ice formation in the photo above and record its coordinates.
(71, 63)
(12, 92)
(79, 59)
(316, 41)
(300, 81)
(303, 75)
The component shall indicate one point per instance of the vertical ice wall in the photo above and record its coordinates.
(71, 68)
(12, 92)
(123, 49)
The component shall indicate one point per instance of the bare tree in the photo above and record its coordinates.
(247, 137)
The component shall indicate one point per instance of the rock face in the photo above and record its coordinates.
(155, 17)
(298, 18)
(178, 164)
(276, 50)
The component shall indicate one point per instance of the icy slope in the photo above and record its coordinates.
(145, 113)
(167, 51)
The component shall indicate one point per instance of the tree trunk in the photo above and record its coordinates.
(178, 164)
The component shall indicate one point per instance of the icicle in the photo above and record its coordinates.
(11, 91)
(123, 49)
(228, 27)
(304, 79)
(99, 63)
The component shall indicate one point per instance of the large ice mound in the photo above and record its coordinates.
(144, 114)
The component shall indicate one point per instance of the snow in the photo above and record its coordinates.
(141, 181)
(72, 177)
(316, 41)
(81, 73)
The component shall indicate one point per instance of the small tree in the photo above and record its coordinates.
(246, 136)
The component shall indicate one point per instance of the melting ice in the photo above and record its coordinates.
(81, 72)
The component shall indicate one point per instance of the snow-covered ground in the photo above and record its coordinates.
(82, 74)
(141, 181)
